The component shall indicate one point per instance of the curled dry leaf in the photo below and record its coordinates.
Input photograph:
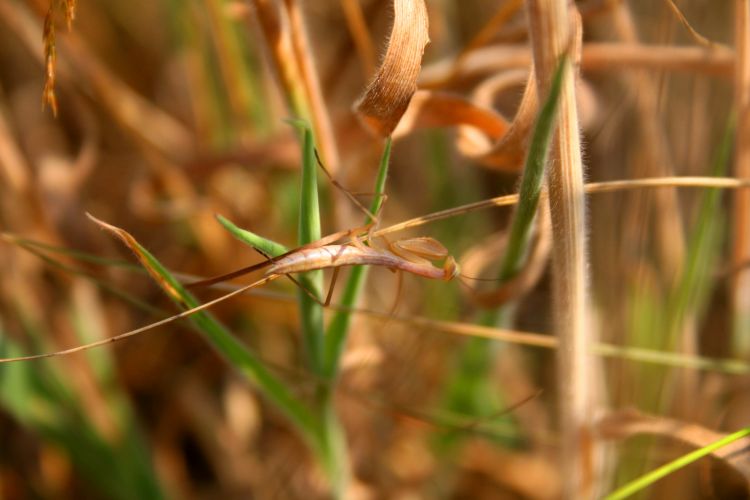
(476, 259)
(441, 109)
(484, 135)
(387, 96)
(508, 152)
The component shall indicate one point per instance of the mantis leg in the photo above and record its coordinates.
(331, 286)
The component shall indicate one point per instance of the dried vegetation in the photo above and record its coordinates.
(614, 340)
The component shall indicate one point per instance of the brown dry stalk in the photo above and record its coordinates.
(50, 60)
(741, 244)
(355, 21)
(321, 120)
(15, 170)
(554, 30)
(387, 96)
(282, 57)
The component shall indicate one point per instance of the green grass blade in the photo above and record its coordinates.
(339, 326)
(690, 294)
(532, 179)
(268, 247)
(311, 312)
(648, 479)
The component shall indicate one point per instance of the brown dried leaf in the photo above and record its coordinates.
(430, 108)
(388, 94)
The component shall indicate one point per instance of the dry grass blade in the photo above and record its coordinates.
(387, 96)
(282, 55)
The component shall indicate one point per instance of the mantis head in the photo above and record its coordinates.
(451, 268)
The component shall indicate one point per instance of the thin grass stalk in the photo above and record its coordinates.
(741, 244)
(551, 36)
(589, 188)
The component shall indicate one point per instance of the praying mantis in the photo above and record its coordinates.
(414, 255)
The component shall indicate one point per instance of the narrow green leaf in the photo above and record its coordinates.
(691, 291)
(268, 247)
(532, 179)
(311, 312)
